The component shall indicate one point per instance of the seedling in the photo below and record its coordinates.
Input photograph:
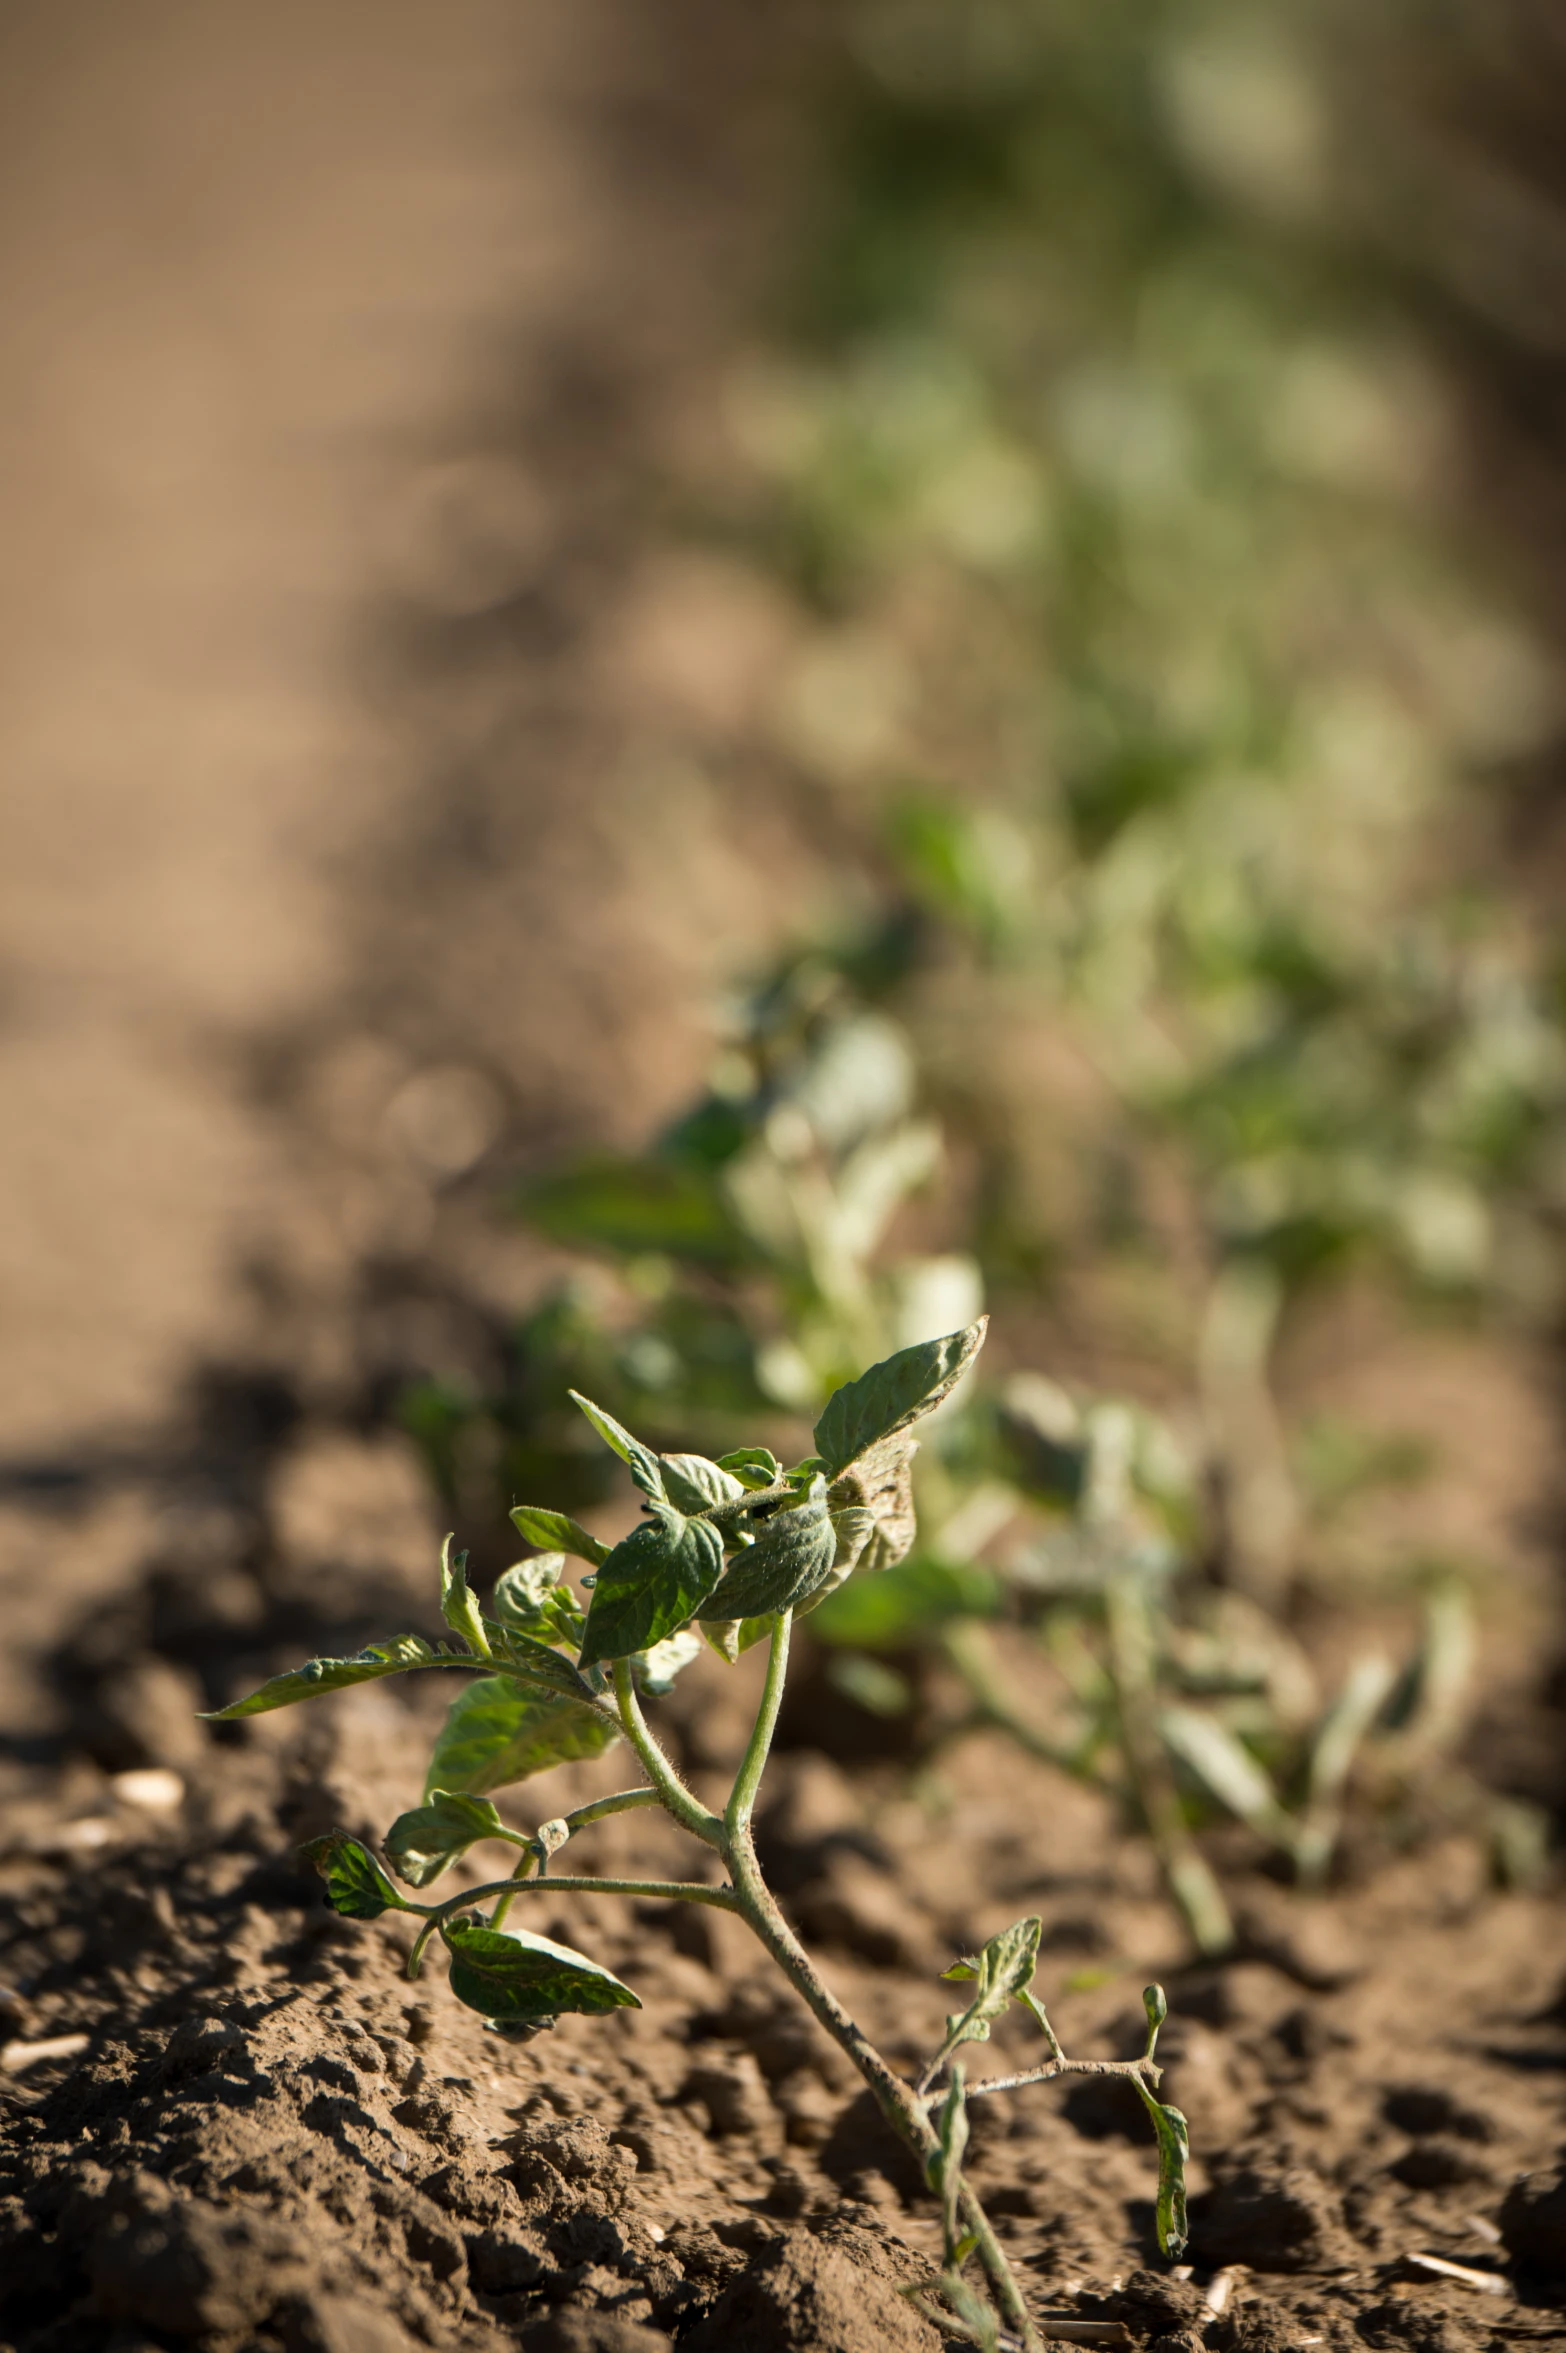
(730, 1551)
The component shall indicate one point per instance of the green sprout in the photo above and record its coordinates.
(728, 1551)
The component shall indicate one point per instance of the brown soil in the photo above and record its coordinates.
(344, 868)
(260, 2135)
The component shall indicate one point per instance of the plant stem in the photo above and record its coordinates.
(1049, 2069)
(521, 1869)
(753, 1764)
(689, 1891)
(757, 1907)
(622, 1802)
(672, 1793)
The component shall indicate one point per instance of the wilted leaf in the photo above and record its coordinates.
(356, 1886)
(1174, 2148)
(641, 1460)
(999, 1974)
(894, 1394)
(653, 1583)
(498, 1731)
(552, 1531)
(424, 1842)
(519, 1979)
(791, 1557)
(881, 1483)
(400, 1656)
(694, 1483)
(457, 1604)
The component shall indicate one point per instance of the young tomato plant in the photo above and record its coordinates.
(730, 1550)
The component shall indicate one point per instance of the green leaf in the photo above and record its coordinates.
(732, 1637)
(531, 1599)
(544, 1664)
(457, 1604)
(642, 1461)
(695, 1484)
(553, 1532)
(651, 1585)
(753, 1466)
(894, 1394)
(356, 1886)
(1000, 1972)
(423, 1843)
(518, 1979)
(498, 1731)
(943, 2167)
(636, 1206)
(790, 1560)
(656, 1668)
(400, 1656)
(1174, 2148)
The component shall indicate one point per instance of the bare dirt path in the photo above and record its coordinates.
(333, 340)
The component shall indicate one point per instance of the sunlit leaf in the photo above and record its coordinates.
(998, 1974)
(499, 1731)
(652, 1584)
(424, 1842)
(552, 1531)
(457, 1604)
(695, 1484)
(641, 1460)
(753, 1466)
(519, 1979)
(893, 1395)
(400, 1656)
(356, 1886)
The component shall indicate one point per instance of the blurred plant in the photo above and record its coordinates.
(1100, 477)
(730, 1550)
(739, 1269)
(1173, 1699)
(1080, 1531)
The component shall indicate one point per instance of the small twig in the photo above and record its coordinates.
(1052, 2068)
(687, 1891)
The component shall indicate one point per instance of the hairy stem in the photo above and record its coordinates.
(754, 1902)
(753, 1764)
(688, 1891)
(523, 1868)
(672, 1793)
(622, 1802)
